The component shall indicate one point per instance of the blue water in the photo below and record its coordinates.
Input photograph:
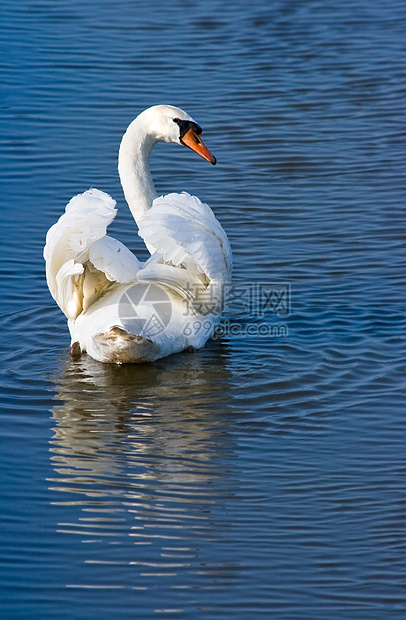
(263, 476)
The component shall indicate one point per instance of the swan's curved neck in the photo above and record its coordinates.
(133, 168)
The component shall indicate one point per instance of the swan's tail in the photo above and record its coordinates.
(120, 347)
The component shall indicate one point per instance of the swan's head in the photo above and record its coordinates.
(170, 124)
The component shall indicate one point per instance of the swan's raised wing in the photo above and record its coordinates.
(188, 239)
(82, 262)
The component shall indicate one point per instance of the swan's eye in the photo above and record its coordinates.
(184, 127)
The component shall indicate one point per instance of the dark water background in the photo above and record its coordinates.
(263, 477)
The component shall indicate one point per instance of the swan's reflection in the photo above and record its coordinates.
(142, 451)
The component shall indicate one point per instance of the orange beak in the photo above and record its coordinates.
(193, 141)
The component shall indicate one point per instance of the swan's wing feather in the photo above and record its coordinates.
(81, 262)
(70, 288)
(85, 219)
(185, 232)
(114, 259)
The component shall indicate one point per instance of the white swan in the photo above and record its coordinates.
(118, 309)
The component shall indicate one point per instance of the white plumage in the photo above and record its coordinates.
(118, 309)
